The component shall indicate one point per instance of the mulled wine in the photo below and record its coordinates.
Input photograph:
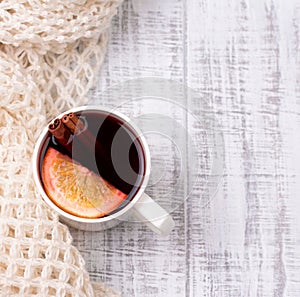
(103, 143)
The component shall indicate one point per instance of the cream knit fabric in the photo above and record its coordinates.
(52, 24)
(49, 55)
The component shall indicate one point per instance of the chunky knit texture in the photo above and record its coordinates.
(52, 24)
(50, 52)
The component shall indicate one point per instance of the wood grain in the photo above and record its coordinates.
(244, 58)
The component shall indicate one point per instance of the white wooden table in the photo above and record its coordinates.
(244, 58)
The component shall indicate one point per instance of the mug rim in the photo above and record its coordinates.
(36, 163)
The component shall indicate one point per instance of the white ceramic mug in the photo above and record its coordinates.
(140, 205)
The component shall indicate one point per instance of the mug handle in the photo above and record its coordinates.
(153, 215)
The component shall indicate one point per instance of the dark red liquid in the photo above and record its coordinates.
(117, 155)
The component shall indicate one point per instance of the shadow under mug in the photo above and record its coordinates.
(140, 205)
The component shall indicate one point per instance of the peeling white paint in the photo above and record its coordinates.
(244, 57)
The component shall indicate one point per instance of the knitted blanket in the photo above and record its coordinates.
(49, 54)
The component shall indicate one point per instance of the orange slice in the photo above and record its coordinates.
(76, 189)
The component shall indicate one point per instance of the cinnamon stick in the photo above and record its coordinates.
(74, 124)
(87, 141)
(77, 122)
(61, 133)
(77, 126)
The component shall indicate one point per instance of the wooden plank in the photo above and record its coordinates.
(130, 257)
(244, 57)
